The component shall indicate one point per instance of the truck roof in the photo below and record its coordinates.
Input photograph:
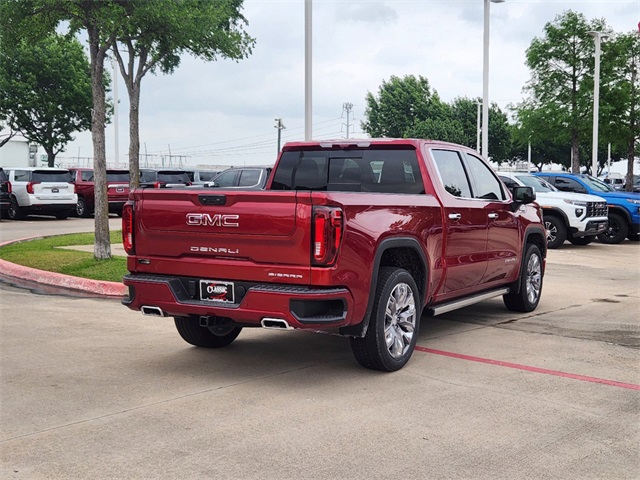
(365, 142)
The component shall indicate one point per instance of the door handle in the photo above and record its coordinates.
(493, 216)
(455, 216)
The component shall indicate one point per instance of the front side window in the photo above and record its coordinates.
(485, 184)
(87, 176)
(452, 173)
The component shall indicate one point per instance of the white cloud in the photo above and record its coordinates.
(356, 45)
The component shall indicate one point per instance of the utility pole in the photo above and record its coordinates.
(280, 126)
(347, 107)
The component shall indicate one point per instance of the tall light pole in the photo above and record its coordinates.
(307, 69)
(485, 79)
(597, 37)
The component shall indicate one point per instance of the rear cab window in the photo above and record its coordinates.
(383, 170)
(51, 176)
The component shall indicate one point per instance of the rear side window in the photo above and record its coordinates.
(350, 170)
(47, 176)
(452, 173)
(3, 175)
(249, 178)
(21, 175)
(569, 185)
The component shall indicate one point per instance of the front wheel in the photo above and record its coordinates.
(527, 299)
(208, 337)
(582, 240)
(393, 327)
(617, 231)
(556, 231)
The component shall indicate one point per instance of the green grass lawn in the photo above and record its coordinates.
(43, 255)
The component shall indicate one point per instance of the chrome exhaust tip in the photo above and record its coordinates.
(152, 311)
(275, 324)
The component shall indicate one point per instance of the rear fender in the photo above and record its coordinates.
(407, 243)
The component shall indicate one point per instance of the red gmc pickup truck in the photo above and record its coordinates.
(354, 237)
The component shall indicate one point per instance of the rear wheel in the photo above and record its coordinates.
(395, 320)
(556, 231)
(582, 240)
(526, 300)
(208, 337)
(81, 208)
(14, 212)
(62, 215)
(617, 231)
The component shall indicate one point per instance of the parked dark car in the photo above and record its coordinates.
(5, 192)
(163, 178)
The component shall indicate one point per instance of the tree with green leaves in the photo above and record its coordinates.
(402, 103)
(561, 86)
(45, 90)
(28, 20)
(154, 35)
(620, 98)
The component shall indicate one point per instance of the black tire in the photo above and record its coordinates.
(531, 275)
(208, 337)
(81, 208)
(400, 327)
(62, 215)
(582, 240)
(14, 212)
(617, 231)
(633, 237)
(556, 231)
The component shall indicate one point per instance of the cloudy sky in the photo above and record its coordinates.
(222, 113)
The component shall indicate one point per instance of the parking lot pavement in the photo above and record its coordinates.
(90, 389)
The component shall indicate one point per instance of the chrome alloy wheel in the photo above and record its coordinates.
(400, 320)
(552, 232)
(534, 278)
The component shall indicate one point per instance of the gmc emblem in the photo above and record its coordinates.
(216, 220)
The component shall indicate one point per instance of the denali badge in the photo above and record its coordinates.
(228, 251)
(217, 220)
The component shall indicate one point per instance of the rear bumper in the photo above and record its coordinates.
(324, 309)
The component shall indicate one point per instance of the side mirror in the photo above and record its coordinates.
(522, 196)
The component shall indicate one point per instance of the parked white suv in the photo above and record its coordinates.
(576, 217)
(43, 191)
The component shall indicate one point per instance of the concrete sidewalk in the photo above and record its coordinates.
(116, 250)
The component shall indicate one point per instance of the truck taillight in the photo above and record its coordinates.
(326, 235)
(30, 186)
(157, 185)
(127, 228)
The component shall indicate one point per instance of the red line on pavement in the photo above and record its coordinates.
(527, 368)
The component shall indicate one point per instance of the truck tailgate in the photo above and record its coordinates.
(258, 227)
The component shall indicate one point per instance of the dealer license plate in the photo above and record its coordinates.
(216, 291)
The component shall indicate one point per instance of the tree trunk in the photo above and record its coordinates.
(134, 134)
(51, 157)
(575, 156)
(102, 246)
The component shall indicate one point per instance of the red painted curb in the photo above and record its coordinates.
(12, 270)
